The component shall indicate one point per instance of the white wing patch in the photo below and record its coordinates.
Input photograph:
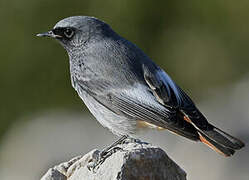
(169, 83)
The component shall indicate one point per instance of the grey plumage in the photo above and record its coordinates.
(122, 87)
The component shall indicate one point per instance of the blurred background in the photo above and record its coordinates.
(203, 45)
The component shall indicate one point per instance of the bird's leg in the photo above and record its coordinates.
(100, 157)
(119, 141)
(131, 140)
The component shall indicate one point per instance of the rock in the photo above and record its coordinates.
(129, 161)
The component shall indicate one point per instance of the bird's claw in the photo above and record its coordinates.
(99, 157)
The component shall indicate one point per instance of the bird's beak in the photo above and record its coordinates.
(48, 34)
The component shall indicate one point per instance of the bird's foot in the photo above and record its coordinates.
(99, 157)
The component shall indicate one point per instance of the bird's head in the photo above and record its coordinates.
(77, 31)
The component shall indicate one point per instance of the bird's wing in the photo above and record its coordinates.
(171, 95)
(138, 102)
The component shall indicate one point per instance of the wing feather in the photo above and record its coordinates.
(140, 103)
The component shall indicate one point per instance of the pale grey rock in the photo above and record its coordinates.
(129, 161)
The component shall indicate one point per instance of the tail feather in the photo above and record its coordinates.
(231, 141)
(220, 141)
(217, 139)
(215, 146)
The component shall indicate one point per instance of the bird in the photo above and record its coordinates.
(126, 91)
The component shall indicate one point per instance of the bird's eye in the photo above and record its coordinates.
(68, 32)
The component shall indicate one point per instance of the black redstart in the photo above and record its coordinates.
(126, 91)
